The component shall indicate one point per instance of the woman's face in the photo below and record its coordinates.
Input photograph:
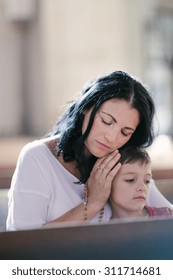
(113, 126)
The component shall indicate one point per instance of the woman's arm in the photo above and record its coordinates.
(31, 195)
(98, 190)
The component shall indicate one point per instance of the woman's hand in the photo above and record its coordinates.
(100, 180)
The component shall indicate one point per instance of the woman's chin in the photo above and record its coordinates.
(98, 153)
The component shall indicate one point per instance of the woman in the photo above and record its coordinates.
(68, 175)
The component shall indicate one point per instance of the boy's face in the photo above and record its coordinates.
(130, 188)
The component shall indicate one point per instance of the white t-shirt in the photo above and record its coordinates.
(43, 190)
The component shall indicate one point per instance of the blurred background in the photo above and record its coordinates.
(50, 48)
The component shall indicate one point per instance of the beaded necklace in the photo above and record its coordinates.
(85, 202)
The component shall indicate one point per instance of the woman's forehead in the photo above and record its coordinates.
(122, 112)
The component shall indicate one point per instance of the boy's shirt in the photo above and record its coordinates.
(159, 211)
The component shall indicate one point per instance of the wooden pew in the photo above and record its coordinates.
(140, 239)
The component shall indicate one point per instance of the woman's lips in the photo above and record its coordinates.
(103, 146)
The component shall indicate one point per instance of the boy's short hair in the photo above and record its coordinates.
(134, 154)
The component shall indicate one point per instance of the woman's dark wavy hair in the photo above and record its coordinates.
(115, 85)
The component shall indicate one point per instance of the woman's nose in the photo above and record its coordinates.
(112, 135)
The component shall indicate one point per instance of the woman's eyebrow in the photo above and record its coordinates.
(109, 115)
(130, 128)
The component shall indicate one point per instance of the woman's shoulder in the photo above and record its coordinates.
(32, 147)
(35, 149)
(37, 145)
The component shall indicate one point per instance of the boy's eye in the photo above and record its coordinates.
(147, 182)
(130, 180)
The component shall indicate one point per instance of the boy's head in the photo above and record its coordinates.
(130, 187)
(134, 154)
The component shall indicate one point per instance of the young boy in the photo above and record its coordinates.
(131, 185)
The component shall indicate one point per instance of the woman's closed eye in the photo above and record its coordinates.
(106, 121)
(126, 133)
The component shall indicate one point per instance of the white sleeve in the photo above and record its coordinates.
(156, 198)
(29, 194)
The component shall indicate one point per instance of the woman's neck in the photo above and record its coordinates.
(69, 166)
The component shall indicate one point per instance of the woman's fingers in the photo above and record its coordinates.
(100, 180)
(110, 165)
(113, 172)
(102, 168)
(107, 161)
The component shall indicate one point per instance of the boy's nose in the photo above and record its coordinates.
(141, 187)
